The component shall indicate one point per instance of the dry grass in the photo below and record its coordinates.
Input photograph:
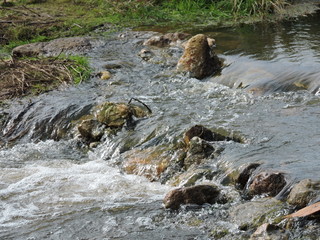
(25, 76)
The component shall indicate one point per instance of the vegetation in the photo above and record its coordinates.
(27, 21)
(24, 21)
(24, 76)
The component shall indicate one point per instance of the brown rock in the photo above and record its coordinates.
(245, 174)
(150, 162)
(270, 183)
(198, 58)
(199, 194)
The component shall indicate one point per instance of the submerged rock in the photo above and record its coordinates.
(199, 194)
(150, 162)
(198, 59)
(269, 232)
(145, 54)
(117, 114)
(198, 131)
(166, 40)
(198, 151)
(270, 183)
(303, 193)
(255, 213)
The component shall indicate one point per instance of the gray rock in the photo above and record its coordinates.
(303, 193)
(166, 40)
(72, 45)
(255, 213)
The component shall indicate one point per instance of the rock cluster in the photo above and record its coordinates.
(166, 40)
(108, 115)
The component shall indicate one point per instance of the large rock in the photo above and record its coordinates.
(270, 183)
(303, 193)
(255, 213)
(72, 45)
(199, 194)
(198, 58)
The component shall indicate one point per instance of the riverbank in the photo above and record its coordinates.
(33, 21)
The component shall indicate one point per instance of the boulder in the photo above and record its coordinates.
(166, 40)
(303, 193)
(254, 213)
(198, 58)
(270, 183)
(199, 195)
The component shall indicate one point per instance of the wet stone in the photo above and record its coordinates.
(105, 75)
(303, 193)
(198, 131)
(198, 58)
(270, 183)
(199, 195)
(198, 151)
(255, 213)
(245, 174)
(91, 129)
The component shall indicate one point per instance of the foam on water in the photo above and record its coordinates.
(47, 186)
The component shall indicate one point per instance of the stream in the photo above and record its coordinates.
(268, 93)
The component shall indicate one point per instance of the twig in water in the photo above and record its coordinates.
(149, 110)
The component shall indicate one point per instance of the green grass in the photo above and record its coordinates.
(80, 68)
(65, 18)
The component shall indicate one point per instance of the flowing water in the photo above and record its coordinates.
(268, 93)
